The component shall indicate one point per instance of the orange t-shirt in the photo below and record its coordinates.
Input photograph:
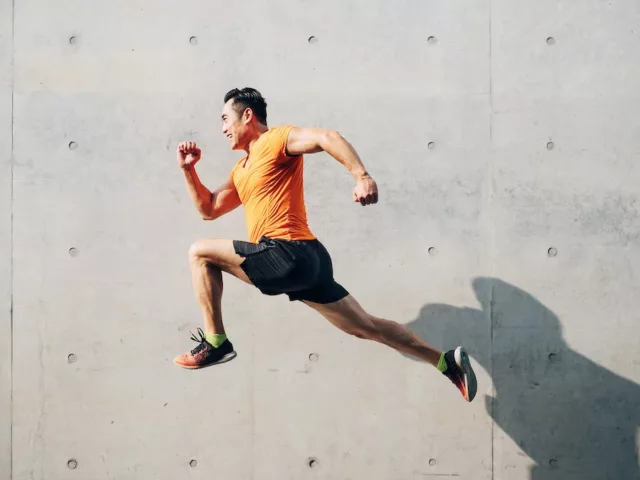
(271, 189)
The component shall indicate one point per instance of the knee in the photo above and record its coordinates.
(195, 252)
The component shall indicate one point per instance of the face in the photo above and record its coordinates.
(234, 127)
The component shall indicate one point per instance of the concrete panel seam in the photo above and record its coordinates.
(490, 74)
(493, 423)
(11, 229)
(491, 227)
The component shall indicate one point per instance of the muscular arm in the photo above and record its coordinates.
(313, 140)
(211, 205)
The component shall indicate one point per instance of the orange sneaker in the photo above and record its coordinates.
(459, 371)
(205, 354)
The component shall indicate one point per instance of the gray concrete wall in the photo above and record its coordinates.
(6, 79)
(456, 131)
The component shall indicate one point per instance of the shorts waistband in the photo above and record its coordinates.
(265, 239)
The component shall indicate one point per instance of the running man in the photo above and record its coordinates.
(282, 256)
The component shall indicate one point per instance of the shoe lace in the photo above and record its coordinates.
(454, 372)
(201, 341)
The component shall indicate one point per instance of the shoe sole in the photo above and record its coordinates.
(228, 357)
(470, 382)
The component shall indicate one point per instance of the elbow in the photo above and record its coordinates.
(330, 137)
(207, 209)
(333, 135)
(207, 214)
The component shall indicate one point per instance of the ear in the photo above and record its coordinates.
(247, 115)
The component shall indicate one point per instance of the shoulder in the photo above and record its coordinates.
(280, 133)
(277, 140)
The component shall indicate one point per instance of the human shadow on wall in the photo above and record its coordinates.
(572, 417)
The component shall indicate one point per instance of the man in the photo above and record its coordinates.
(282, 255)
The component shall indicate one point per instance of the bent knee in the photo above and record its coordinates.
(213, 252)
(195, 251)
(198, 252)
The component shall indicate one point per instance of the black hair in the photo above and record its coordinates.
(248, 98)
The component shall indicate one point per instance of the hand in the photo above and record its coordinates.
(188, 154)
(366, 191)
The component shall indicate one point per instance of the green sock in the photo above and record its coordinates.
(442, 363)
(215, 339)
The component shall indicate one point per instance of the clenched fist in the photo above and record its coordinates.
(366, 191)
(188, 154)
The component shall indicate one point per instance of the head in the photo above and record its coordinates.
(244, 116)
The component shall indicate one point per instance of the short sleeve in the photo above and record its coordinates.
(278, 143)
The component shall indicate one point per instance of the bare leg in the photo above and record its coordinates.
(349, 316)
(208, 259)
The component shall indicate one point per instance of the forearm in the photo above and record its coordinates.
(335, 145)
(201, 196)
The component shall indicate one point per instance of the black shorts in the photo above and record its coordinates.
(302, 269)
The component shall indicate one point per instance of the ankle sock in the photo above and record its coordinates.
(442, 363)
(215, 339)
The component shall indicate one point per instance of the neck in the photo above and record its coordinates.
(257, 133)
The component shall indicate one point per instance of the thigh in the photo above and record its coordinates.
(278, 266)
(346, 314)
(221, 253)
(324, 288)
